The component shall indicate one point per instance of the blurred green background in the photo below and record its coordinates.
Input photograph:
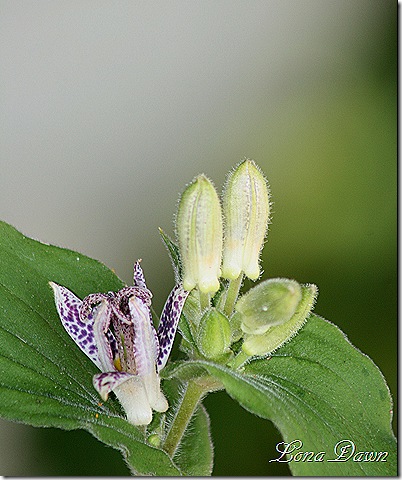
(110, 108)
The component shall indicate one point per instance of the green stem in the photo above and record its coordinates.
(239, 359)
(188, 404)
(204, 301)
(231, 294)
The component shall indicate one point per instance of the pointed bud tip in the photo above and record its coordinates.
(202, 178)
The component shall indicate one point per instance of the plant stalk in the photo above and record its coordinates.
(188, 404)
(238, 360)
(205, 301)
(231, 294)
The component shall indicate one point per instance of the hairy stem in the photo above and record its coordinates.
(231, 295)
(204, 301)
(188, 404)
(238, 361)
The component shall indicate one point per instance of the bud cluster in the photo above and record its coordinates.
(220, 243)
(199, 227)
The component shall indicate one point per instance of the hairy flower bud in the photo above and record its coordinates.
(277, 335)
(214, 334)
(199, 233)
(269, 303)
(246, 212)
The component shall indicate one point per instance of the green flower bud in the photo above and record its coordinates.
(246, 212)
(214, 334)
(199, 233)
(155, 440)
(270, 303)
(277, 335)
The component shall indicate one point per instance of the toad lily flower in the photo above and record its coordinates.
(115, 331)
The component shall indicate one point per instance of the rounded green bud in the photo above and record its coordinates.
(155, 440)
(214, 334)
(277, 335)
(270, 303)
(246, 211)
(199, 233)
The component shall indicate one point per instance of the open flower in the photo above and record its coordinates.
(115, 331)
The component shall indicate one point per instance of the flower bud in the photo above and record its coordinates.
(199, 233)
(270, 303)
(246, 212)
(155, 440)
(277, 335)
(214, 334)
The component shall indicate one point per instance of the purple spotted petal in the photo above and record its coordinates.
(139, 279)
(112, 342)
(68, 306)
(145, 344)
(168, 323)
(104, 383)
(88, 303)
(142, 293)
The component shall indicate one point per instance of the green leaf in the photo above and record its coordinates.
(45, 379)
(318, 389)
(174, 254)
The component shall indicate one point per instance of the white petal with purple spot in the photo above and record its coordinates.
(104, 383)
(168, 323)
(68, 306)
(139, 279)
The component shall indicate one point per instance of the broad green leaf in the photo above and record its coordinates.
(318, 389)
(45, 380)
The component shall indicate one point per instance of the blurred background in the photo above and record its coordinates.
(108, 108)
